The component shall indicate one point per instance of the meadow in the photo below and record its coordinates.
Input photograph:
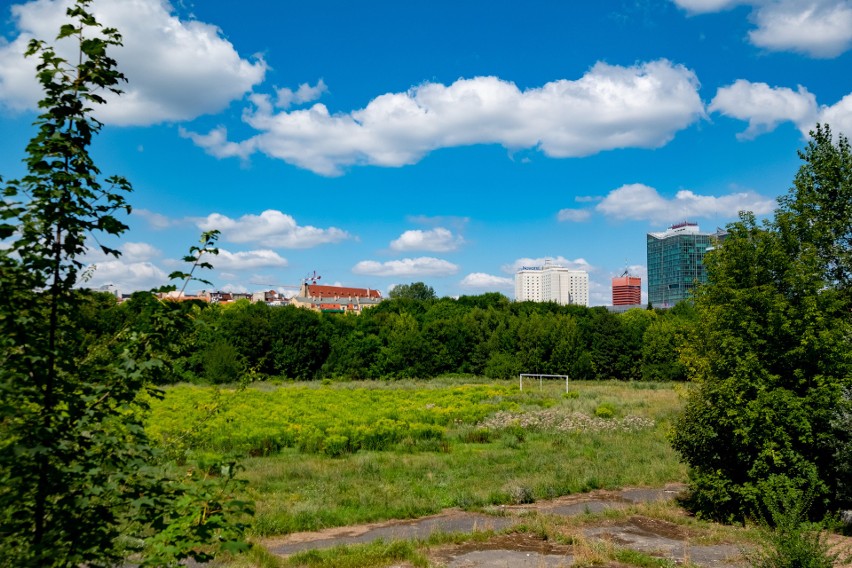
(330, 454)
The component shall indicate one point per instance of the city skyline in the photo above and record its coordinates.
(378, 144)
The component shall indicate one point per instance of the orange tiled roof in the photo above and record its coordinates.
(315, 290)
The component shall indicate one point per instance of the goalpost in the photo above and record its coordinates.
(541, 378)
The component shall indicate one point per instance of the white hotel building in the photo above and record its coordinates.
(552, 283)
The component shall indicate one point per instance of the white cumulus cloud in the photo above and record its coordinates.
(271, 228)
(817, 28)
(177, 69)
(246, 260)
(640, 202)
(438, 239)
(611, 106)
(130, 252)
(839, 116)
(127, 276)
(764, 107)
(483, 281)
(137, 252)
(407, 267)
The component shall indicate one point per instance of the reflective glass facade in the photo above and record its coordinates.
(676, 263)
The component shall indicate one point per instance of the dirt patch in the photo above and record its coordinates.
(653, 528)
(516, 550)
(515, 541)
(666, 540)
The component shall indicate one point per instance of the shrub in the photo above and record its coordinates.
(605, 410)
(475, 435)
(222, 363)
(520, 495)
(335, 446)
(787, 539)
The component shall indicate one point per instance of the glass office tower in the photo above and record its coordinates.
(676, 262)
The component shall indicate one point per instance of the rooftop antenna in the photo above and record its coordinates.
(311, 278)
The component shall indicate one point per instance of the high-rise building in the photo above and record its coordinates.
(626, 290)
(552, 283)
(676, 262)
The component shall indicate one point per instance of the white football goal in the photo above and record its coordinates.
(541, 378)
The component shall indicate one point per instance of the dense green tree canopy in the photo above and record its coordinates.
(772, 355)
(414, 291)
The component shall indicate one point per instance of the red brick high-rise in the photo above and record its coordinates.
(626, 291)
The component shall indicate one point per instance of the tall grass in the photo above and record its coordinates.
(471, 463)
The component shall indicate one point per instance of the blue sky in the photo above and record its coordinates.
(378, 143)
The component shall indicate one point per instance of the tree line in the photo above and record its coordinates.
(407, 337)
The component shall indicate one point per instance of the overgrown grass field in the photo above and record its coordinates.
(321, 455)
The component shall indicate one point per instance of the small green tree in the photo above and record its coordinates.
(414, 291)
(772, 354)
(79, 483)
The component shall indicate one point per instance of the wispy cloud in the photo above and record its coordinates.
(304, 94)
(156, 221)
(407, 267)
(574, 215)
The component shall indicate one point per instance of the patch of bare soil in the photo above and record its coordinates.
(516, 550)
(666, 540)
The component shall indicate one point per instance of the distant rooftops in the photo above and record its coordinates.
(320, 291)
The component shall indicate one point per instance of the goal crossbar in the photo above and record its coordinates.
(541, 378)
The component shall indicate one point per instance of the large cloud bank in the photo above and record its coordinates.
(641, 106)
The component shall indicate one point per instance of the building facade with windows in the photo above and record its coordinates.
(552, 283)
(626, 290)
(676, 262)
(335, 298)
